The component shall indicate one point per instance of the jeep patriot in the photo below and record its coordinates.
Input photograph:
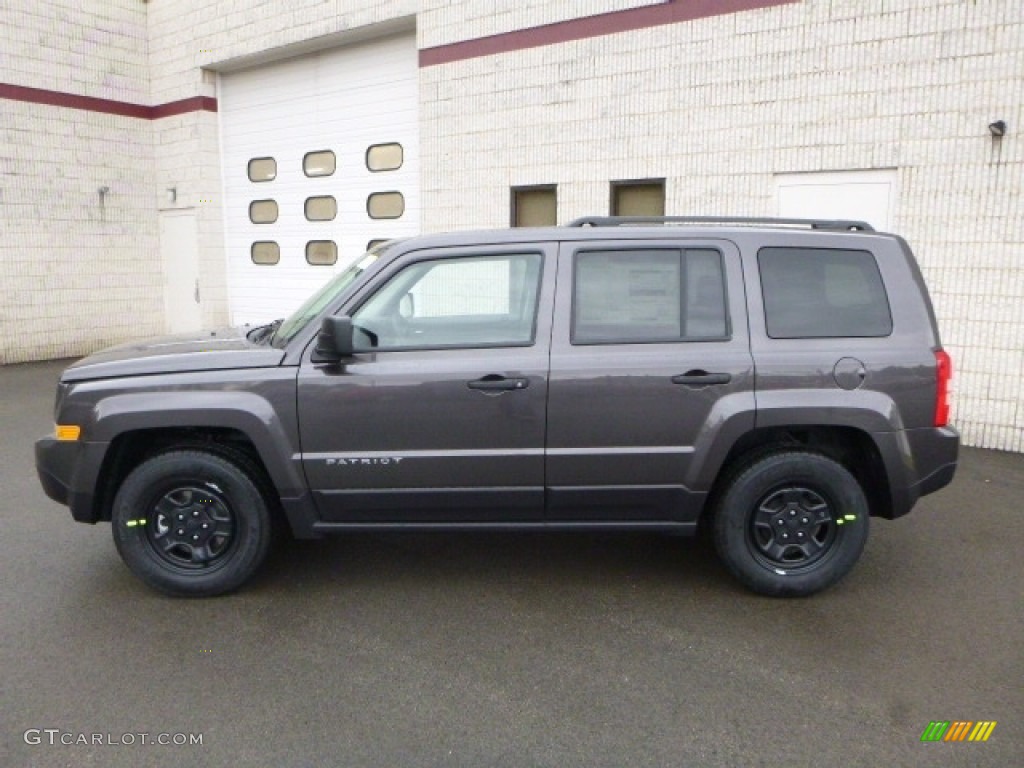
(777, 382)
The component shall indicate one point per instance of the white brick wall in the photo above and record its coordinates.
(75, 275)
(92, 47)
(442, 22)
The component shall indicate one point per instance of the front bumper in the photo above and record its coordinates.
(67, 471)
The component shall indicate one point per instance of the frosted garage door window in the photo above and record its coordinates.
(263, 211)
(321, 253)
(384, 157)
(319, 163)
(385, 205)
(321, 208)
(265, 252)
(262, 169)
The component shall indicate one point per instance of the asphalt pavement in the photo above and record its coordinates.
(508, 650)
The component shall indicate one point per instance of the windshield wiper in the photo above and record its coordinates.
(263, 332)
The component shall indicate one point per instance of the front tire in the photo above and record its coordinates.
(791, 523)
(191, 524)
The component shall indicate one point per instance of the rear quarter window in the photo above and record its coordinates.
(823, 293)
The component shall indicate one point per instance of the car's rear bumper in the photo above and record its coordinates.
(920, 461)
(937, 480)
(935, 453)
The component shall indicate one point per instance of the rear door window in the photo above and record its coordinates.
(648, 295)
(822, 293)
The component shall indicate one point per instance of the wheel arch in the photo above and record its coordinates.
(133, 425)
(131, 448)
(851, 447)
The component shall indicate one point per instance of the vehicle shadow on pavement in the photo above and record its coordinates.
(580, 559)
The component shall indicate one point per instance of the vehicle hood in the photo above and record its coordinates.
(211, 350)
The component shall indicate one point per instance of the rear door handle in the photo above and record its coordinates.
(495, 383)
(701, 378)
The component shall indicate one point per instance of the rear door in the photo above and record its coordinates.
(650, 360)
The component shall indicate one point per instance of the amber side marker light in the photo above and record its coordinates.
(66, 432)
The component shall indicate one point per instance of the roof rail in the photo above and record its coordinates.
(618, 221)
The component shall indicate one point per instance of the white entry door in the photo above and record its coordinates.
(179, 250)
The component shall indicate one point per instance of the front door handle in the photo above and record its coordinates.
(496, 383)
(701, 378)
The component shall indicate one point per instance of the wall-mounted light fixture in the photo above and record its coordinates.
(172, 194)
(997, 129)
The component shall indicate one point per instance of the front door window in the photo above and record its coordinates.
(480, 301)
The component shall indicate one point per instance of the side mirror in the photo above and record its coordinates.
(334, 341)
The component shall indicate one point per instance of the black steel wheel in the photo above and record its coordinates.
(191, 527)
(791, 523)
(792, 527)
(191, 523)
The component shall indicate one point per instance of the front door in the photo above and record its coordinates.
(439, 417)
(650, 359)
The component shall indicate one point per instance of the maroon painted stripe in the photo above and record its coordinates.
(193, 104)
(106, 106)
(73, 101)
(671, 12)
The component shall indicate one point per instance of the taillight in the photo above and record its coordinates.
(943, 377)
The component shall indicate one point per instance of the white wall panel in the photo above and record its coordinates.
(861, 195)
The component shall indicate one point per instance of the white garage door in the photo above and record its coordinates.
(320, 157)
(860, 195)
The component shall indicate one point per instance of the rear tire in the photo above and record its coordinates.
(190, 523)
(791, 523)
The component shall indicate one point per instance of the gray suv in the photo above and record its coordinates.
(778, 382)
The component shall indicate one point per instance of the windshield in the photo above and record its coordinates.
(316, 303)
